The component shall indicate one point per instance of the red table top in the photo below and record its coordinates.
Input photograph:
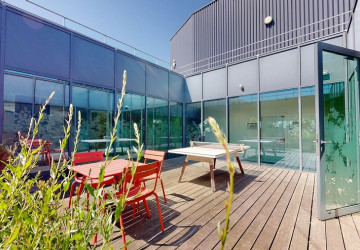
(92, 170)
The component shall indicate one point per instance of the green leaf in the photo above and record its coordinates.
(77, 236)
(119, 210)
(13, 235)
(89, 189)
(101, 174)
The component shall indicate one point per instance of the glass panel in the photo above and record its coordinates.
(96, 107)
(308, 128)
(217, 110)
(341, 126)
(176, 122)
(52, 124)
(279, 130)
(133, 111)
(243, 124)
(17, 106)
(193, 122)
(157, 124)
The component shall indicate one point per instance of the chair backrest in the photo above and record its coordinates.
(155, 156)
(143, 171)
(86, 157)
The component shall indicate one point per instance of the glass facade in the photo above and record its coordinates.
(176, 125)
(157, 124)
(133, 111)
(20, 106)
(243, 124)
(217, 110)
(193, 122)
(279, 130)
(96, 108)
(308, 128)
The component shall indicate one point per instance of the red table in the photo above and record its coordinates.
(92, 170)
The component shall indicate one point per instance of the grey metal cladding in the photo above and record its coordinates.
(279, 71)
(157, 82)
(214, 84)
(193, 88)
(308, 65)
(31, 45)
(176, 88)
(235, 29)
(244, 74)
(93, 63)
(135, 70)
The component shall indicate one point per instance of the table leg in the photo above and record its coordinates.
(239, 163)
(183, 168)
(212, 176)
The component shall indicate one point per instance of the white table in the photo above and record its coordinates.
(90, 141)
(208, 152)
(272, 143)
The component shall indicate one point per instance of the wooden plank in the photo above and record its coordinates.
(268, 233)
(270, 196)
(334, 238)
(349, 232)
(199, 205)
(317, 227)
(248, 239)
(208, 220)
(302, 227)
(211, 240)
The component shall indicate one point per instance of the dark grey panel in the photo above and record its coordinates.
(279, 71)
(157, 82)
(35, 47)
(176, 88)
(245, 74)
(135, 73)
(308, 65)
(93, 63)
(226, 31)
(214, 84)
(193, 89)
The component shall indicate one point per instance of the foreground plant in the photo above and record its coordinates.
(231, 168)
(33, 214)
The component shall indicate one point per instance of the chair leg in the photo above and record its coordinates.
(71, 193)
(162, 186)
(146, 208)
(122, 230)
(159, 211)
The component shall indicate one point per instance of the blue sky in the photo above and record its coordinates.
(144, 24)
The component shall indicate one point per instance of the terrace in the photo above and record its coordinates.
(273, 208)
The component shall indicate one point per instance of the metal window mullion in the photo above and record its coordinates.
(300, 112)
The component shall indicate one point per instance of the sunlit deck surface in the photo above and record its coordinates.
(272, 208)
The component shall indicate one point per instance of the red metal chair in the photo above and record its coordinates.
(138, 192)
(87, 157)
(156, 156)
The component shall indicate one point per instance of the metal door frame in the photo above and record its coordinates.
(323, 214)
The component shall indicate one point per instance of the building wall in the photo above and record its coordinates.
(35, 52)
(238, 27)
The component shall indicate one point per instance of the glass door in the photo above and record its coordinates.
(338, 109)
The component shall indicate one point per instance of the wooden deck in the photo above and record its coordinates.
(272, 208)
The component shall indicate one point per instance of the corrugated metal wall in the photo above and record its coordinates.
(226, 31)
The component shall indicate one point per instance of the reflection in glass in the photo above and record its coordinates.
(17, 106)
(96, 107)
(341, 126)
(157, 124)
(243, 124)
(308, 128)
(279, 130)
(133, 111)
(52, 124)
(217, 110)
(176, 122)
(193, 122)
